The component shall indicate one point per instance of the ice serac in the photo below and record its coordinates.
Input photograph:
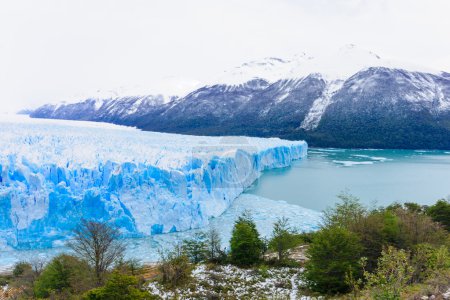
(53, 173)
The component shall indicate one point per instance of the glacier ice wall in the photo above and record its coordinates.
(53, 173)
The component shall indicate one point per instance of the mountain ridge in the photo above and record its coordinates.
(379, 105)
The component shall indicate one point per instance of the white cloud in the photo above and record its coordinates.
(52, 50)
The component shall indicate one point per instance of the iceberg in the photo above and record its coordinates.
(53, 173)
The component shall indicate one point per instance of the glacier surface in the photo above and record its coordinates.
(53, 173)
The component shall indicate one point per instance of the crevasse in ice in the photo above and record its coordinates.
(53, 173)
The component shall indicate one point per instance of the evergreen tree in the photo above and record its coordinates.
(246, 245)
(333, 255)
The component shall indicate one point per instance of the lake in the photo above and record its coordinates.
(378, 177)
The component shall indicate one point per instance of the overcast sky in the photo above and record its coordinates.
(53, 50)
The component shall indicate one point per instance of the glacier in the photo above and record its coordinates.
(54, 173)
(264, 212)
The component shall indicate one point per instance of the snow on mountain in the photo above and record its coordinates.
(337, 65)
(270, 69)
(305, 97)
(52, 173)
(319, 106)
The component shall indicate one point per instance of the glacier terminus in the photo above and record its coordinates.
(54, 173)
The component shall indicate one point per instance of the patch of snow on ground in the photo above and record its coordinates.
(223, 282)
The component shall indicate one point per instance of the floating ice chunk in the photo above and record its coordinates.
(350, 163)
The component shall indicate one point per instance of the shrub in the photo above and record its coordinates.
(333, 255)
(4, 280)
(304, 237)
(391, 227)
(24, 277)
(423, 256)
(440, 212)
(416, 228)
(246, 245)
(196, 249)
(283, 238)
(345, 213)
(214, 247)
(442, 257)
(423, 262)
(64, 273)
(371, 233)
(263, 271)
(175, 267)
(119, 287)
(391, 276)
(20, 268)
(428, 261)
(129, 267)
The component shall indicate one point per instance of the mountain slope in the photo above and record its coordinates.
(352, 98)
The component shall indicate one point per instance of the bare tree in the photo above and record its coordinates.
(98, 243)
(215, 251)
(38, 265)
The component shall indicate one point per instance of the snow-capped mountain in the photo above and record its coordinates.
(114, 110)
(350, 98)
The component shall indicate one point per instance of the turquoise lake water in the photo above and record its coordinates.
(377, 177)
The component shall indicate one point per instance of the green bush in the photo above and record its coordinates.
(263, 271)
(345, 213)
(391, 276)
(442, 258)
(119, 287)
(304, 237)
(196, 248)
(175, 267)
(372, 233)
(20, 268)
(66, 274)
(246, 245)
(283, 238)
(333, 254)
(129, 267)
(440, 212)
(4, 280)
(423, 262)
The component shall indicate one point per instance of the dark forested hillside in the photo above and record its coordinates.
(377, 107)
